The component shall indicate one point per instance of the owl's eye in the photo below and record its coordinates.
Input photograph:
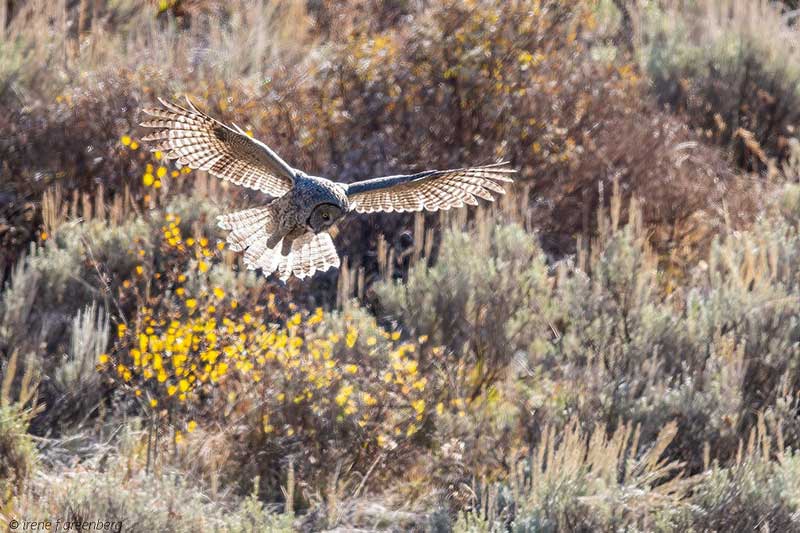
(326, 216)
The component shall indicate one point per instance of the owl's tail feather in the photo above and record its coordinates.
(254, 231)
(309, 253)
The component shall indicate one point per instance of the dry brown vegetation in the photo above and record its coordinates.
(613, 346)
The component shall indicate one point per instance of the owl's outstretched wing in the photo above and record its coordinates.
(201, 142)
(430, 190)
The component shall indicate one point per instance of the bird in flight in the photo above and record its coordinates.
(289, 234)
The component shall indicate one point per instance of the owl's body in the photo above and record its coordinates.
(294, 209)
(277, 236)
(289, 234)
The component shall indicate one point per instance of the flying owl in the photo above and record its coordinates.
(289, 234)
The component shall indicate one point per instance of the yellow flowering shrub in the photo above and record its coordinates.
(316, 378)
(197, 353)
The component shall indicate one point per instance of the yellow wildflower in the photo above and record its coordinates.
(344, 394)
(369, 399)
(352, 337)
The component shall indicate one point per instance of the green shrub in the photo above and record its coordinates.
(481, 298)
(76, 384)
(609, 346)
(748, 496)
(732, 68)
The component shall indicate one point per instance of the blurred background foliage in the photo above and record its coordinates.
(613, 346)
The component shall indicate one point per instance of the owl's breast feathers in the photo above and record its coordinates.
(311, 191)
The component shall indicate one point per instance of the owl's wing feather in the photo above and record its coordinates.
(201, 142)
(430, 190)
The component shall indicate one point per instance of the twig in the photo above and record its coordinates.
(366, 476)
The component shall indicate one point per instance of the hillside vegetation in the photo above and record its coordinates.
(613, 346)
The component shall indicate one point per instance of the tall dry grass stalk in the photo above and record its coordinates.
(56, 210)
(26, 389)
(621, 468)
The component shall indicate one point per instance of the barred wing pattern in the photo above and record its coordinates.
(430, 190)
(201, 142)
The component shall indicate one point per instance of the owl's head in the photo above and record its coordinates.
(323, 216)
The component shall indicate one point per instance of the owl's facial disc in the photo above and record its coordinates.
(324, 216)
